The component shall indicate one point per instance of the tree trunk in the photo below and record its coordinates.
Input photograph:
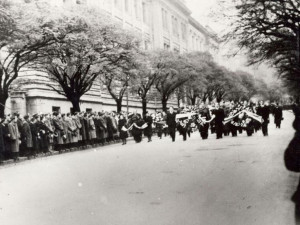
(219, 98)
(144, 105)
(164, 104)
(76, 106)
(178, 102)
(75, 100)
(3, 98)
(119, 105)
(193, 100)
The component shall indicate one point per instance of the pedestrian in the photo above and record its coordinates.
(102, 128)
(6, 138)
(58, 132)
(2, 144)
(82, 130)
(26, 136)
(218, 115)
(159, 123)
(182, 127)
(48, 123)
(72, 128)
(92, 129)
(14, 138)
(137, 131)
(111, 129)
(123, 129)
(148, 130)
(67, 132)
(264, 112)
(277, 115)
(171, 122)
(22, 146)
(203, 125)
(34, 129)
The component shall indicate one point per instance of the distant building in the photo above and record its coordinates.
(164, 24)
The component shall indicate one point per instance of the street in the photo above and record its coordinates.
(233, 181)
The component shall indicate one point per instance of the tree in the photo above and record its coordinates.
(247, 82)
(196, 86)
(26, 30)
(270, 32)
(146, 76)
(174, 71)
(120, 71)
(74, 62)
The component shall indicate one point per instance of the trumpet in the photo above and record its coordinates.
(183, 123)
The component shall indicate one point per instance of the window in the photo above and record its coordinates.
(183, 31)
(165, 19)
(145, 14)
(136, 9)
(55, 109)
(175, 26)
(118, 4)
(127, 6)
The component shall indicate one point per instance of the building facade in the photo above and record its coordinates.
(164, 24)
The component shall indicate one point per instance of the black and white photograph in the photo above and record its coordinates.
(149, 112)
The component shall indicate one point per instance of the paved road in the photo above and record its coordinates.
(232, 181)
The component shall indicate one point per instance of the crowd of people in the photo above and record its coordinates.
(40, 134)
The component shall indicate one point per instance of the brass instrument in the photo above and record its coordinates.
(183, 123)
(201, 120)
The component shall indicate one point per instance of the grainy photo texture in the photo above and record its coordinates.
(149, 112)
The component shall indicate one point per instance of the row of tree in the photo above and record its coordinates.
(270, 31)
(77, 47)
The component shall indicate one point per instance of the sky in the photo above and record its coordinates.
(201, 10)
(206, 12)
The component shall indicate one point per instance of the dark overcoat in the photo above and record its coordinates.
(59, 131)
(83, 129)
(277, 115)
(123, 123)
(2, 144)
(35, 134)
(148, 129)
(26, 135)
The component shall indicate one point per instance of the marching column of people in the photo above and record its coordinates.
(45, 134)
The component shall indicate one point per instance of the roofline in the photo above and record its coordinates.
(200, 27)
(182, 6)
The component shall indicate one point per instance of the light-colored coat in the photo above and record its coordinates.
(14, 136)
(72, 128)
(92, 128)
